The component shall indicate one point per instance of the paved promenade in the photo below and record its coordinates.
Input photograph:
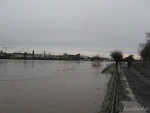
(139, 84)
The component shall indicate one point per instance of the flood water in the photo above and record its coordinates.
(38, 86)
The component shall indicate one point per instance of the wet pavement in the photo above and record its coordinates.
(139, 84)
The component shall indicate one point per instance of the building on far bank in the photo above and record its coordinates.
(66, 56)
(55, 57)
(85, 58)
(43, 56)
(1, 51)
(2, 54)
(17, 55)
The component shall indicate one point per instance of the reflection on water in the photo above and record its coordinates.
(43, 86)
(32, 63)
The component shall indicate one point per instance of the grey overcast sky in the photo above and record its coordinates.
(88, 27)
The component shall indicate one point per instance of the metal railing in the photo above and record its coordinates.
(143, 66)
(113, 108)
(109, 104)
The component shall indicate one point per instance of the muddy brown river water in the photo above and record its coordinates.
(38, 86)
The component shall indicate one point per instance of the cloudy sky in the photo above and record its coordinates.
(88, 27)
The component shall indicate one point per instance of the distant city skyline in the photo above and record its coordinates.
(49, 50)
(88, 27)
(52, 51)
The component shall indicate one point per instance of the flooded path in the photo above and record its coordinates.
(51, 86)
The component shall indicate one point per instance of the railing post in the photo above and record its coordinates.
(147, 67)
(139, 65)
(118, 68)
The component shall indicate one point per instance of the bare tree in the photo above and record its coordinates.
(96, 61)
(147, 36)
(130, 57)
(144, 48)
(117, 56)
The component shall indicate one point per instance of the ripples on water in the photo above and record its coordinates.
(43, 86)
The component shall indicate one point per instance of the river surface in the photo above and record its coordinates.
(38, 86)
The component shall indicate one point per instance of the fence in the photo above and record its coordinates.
(142, 65)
